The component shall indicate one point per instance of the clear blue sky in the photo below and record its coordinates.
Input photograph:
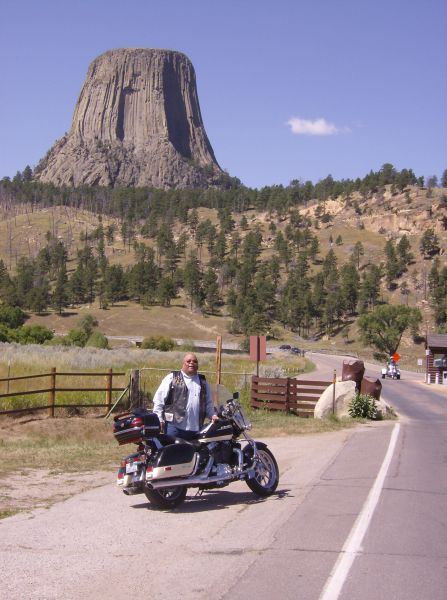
(289, 89)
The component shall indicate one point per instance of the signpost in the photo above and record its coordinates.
(258, 349)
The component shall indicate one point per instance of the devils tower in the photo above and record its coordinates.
(137, 122)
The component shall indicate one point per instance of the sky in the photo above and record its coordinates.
(288, 89)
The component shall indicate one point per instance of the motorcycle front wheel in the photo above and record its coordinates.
(266, 478)
(166, 497)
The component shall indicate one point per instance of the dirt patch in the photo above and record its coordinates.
(40, 488)
(89, 426)
(38, 468)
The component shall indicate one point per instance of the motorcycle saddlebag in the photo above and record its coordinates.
(175, 460)
(131, 427)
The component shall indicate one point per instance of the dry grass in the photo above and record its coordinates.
(20, 361)
(83, 444)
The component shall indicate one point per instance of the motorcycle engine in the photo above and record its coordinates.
(222, 452)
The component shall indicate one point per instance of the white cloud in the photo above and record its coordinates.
(316, 127)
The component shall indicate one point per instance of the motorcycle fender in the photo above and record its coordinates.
(248, 449)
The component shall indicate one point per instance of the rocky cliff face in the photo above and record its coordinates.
(137, 122)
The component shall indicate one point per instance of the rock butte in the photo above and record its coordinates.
(137, 122)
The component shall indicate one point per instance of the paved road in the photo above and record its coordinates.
(228, 545)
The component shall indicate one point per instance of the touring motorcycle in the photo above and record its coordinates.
(391, 370)
(164, 467)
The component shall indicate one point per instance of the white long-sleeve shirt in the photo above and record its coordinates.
(191, 420)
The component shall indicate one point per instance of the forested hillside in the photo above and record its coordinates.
(305, 258)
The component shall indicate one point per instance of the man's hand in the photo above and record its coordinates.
(214, 419)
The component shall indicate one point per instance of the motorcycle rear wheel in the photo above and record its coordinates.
(166, 498)
(266, 476)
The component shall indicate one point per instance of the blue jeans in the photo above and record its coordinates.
(180, 433)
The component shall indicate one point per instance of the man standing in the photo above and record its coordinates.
(183, 400)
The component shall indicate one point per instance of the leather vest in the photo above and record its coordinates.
(177, 398)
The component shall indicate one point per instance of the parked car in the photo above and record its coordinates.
(285, 347)
(295, 350)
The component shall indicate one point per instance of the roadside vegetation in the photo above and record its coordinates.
(302, 260)
(84, 443)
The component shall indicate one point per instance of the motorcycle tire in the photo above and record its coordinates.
(166, 498)
(266, 479)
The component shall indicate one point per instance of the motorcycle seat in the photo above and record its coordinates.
(166, 439)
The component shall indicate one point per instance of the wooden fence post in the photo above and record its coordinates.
(287, 404)
(52, 391)
(134, 389)
(218, 359)
(109, 379)
(334, 379)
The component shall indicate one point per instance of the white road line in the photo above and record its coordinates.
(353, 542)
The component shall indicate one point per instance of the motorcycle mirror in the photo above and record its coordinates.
(235, 395)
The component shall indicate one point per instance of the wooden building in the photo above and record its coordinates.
(436, 358)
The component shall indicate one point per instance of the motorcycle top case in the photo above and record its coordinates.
(133, 426)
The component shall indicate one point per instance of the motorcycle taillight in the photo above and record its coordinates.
(137, 422)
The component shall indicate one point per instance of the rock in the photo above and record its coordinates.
(353, 370)
(344, 394)
(137, 122)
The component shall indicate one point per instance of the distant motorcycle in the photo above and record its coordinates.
(164, 467)
(391, 370)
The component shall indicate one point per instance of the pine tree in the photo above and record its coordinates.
(60, 295)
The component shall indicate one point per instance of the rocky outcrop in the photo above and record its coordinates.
(137, 122)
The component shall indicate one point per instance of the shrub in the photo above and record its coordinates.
(77, 337)
(12, 316)
(244, 346)
(158, 342)
(4, 333)
(31, 334)
(363, 406)
(87, 323)
(97, 340)
(187, 346)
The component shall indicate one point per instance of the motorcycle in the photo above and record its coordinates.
(391, 370)
(164, 467)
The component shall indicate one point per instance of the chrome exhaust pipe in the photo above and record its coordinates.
(194, 481)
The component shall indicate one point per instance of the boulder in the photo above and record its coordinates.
(344, 394)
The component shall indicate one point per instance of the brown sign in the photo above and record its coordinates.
(258, 347)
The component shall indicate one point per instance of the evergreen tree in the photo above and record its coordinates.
(192, 280)
(166, 291)
(350, 285)
(357, 252)
(429, 244)
(115, 287)
(60, 295)
(392, 270)
(404, 254)
(211, 290)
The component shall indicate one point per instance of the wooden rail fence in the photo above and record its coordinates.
(297, 396)
(53, 389)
